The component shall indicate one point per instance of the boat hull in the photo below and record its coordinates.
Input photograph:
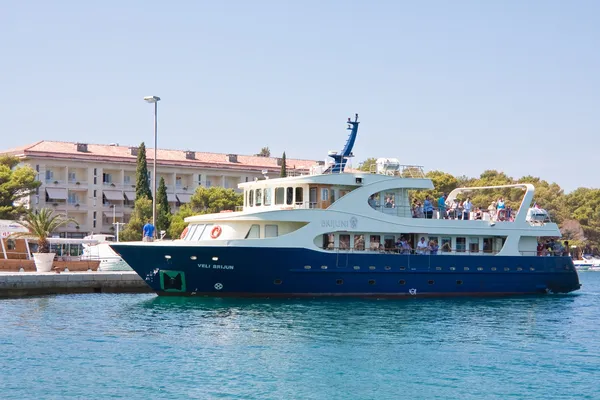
(227, 271)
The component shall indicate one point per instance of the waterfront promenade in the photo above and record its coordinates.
(43, 283)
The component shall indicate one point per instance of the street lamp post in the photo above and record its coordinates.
(155, 100)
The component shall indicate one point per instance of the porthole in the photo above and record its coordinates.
(506, 269)
(356, 267)
(459, 282)
(438, 268)
(339, 282)
(493, 268)
(307, 267)
(479, 268)
(519, 269)
(277, 281)
(430, 282)
(215, 258)
(402, 268)
(532, 269)
(371, 267)
(401, 282)
(193, 258)
(452, 269)
(167, 257)
(371, 281)
(323, 266)
(387, 267)
(466, 268)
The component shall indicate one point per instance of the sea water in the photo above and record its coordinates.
(100, 346)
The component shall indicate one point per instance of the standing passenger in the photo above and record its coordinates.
(442, 206)
(467, 209)
(428, 208)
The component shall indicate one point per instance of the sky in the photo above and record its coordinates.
(459, 86)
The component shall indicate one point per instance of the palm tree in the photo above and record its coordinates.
(41, 224)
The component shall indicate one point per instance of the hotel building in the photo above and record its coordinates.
(95, 184)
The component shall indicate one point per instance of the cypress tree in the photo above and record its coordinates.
(163, 212)
(283, 172)
(142, 184)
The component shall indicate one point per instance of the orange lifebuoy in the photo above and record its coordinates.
(216, 232)
(185, 231)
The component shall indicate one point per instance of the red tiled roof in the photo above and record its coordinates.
(102, 152)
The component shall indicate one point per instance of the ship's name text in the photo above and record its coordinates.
(216, 266)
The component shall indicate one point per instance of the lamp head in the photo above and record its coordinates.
(152, 99)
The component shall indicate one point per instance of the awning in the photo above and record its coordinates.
(171, 198)
(130, 196)
(184, 198)
(117, 214)
(57, 193)
(114, 195)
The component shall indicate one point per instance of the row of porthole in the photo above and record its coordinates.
(388, 268)
(371, 282)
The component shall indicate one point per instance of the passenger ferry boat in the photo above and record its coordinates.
(325, 234)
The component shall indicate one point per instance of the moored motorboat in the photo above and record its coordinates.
(338, 233)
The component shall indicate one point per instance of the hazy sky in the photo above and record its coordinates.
(460, 86)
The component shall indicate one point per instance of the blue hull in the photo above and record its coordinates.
(284, 272)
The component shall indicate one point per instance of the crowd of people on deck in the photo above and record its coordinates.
(460, 209)
(553, 247)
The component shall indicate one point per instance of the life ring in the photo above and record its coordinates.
(216, 232)
(185, 231)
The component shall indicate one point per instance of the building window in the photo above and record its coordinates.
(299, 195)
(474, 245)
(106, 178)
(73, 198)
(49, 175)
(178, 181)
(95, 193)
(199, 179)
(324, 194)
(271, 231)
(279, 195)
(246, 179)
(95, 180)
(72, 177)
(10, 244)
(95, 172)
(127, 179)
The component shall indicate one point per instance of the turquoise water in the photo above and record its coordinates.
(145, 347)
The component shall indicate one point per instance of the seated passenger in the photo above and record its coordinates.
(389, 203)
(372, 201)
(478, 213)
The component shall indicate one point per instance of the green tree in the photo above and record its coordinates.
(142, 213)
(41, 224)
(264, 152)
(178, 223)
(283, 172)
(15, 183)
(366, 165)
(142, 184)
(163, 211)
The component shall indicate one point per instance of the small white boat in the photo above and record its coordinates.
(582, 265)
(100, 250)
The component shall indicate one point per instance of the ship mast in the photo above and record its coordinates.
(342, 158)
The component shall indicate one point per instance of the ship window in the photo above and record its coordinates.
(324, 194)
(371, 281)
(401, 282)
(328, 241)
(387, 267)
(344, 242)
(438, 268)
(506, 269)
(359, 242)
(254, 232)
(323, 266)
(466, 268)
(531, 269)
(271, 231)
(493, 268)
(279, 195)
(519, 269)
(430, 282)
(258, 197)
(289, 196)
(332, 195)
(452, 268)
(461, 244)
(375, 242)
(205, 235)
(268, 195)
(339, 282)
(459, 282)
(474, 245)
(299, 196)
(402, 268)
(389, 242)
(251, 198)
(307, 267)
(487, 245)
(479, 268)
(372, 267)
(277, 281)
(446, 245)
(196, 234)
(356, 267)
